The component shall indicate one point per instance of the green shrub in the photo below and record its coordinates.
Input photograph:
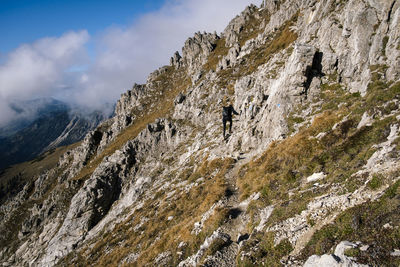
(375, 182)
(384, 44)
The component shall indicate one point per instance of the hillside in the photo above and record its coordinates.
(308, 177)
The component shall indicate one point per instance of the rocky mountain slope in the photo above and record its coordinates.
(309, 176)
(44, 124)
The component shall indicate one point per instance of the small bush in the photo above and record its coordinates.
(375, 182)
(385, 40)
(352, 252)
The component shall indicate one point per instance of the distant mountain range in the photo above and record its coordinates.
(43, 124)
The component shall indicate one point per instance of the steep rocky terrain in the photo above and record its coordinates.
(309, 176)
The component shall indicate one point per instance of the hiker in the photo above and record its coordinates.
(227, 116)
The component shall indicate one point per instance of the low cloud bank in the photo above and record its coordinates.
(38, 70)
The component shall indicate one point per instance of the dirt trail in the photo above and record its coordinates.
(236, 223)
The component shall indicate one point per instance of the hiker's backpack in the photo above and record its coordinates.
(225, 112)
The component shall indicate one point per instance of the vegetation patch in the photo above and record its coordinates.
(217, 245)
(283, 164)
(292, 121)
(364, 223)
(263, 251)
(279, 40)
(295, 205)
(216, 55)
(339, 153)
(251, 29)
(375, 182)
(385, 40)
(352, 252)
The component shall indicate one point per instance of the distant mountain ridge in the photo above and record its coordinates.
(43, 124)
(28, 111)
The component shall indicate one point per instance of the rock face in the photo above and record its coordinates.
(197, 49)
(93, 201)
(314, 150)
(235, 27)
(90, 204)
(79, 125)
(336, 259)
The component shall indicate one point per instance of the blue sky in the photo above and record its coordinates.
(88, 52)
(24, 21)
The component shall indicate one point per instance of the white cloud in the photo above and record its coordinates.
(6, 113)
(59, 67)
(128, 55)
(37, 70)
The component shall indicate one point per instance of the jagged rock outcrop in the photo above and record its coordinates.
(176, 60)
(130, 106)
(90, 204)
(197, 49)
(352, 40)
(129, 100)
(235, 27)
(230, 59)
(79, 157)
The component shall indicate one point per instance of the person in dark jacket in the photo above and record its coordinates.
(227, 116)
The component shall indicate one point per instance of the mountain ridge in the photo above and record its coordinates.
(311, 169)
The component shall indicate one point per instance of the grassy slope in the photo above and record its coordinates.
(159, 234)
(364, 223)
(15, 177)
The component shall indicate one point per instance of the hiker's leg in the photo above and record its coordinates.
(230, 126)
(224, 124)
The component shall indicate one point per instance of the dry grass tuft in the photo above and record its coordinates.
(216, 55)
(283, 158)
(279, 40)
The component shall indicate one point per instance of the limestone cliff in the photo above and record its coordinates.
(309, 176)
